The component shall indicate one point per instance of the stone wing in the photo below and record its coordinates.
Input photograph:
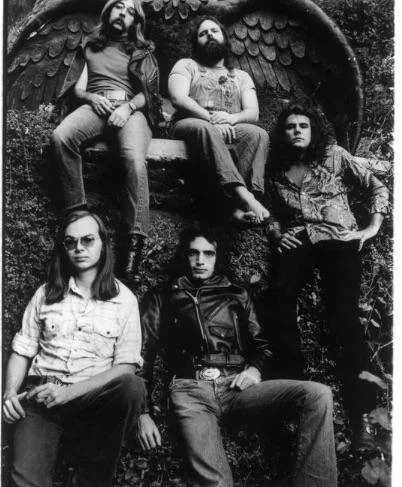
(41, 63)
(289, 57)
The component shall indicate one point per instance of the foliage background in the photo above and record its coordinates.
(30, 220)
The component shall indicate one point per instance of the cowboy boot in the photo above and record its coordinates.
(130, 257)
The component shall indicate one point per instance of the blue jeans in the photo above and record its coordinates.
(94, 424)
(250, 150)
(84, 125)
(198, 405)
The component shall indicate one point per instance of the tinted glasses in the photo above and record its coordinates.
(86, 241)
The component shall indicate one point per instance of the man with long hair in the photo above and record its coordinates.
(310, 181)
(215, 351)
(118, 94)
(216, 109)
(71, 372)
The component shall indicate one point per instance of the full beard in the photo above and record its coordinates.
(117, 29)
(211, 53)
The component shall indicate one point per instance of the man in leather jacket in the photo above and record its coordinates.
(216, 352)
(115, 80)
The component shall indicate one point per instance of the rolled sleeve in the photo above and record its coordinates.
(128, 345)
(26, 341)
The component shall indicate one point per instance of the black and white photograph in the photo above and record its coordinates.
(198, 243)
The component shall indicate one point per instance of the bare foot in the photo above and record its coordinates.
(244, 216)
(259, 210)
(251, 204)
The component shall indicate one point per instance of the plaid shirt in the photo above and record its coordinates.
(75, 339)
(321, 204)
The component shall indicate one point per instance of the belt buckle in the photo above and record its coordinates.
(211, 373)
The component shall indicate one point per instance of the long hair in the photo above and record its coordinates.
(282, 155)
(179, 265)
(135, 36)
(228, 60)
(60, 269)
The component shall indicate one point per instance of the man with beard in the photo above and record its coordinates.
(216, 106)
(118, 93)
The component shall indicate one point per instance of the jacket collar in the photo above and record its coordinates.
(140, 53)
(185, 283)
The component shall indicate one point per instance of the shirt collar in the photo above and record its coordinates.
(73, 288)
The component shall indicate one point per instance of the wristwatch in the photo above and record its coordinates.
(133, 106)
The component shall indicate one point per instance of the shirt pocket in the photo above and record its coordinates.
(56, 326)
(105, 334)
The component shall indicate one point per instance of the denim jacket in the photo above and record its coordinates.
(142, 65)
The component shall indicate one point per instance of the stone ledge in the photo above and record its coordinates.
(159, 151)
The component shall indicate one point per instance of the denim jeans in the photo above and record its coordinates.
(339, 264)
(205, 145)
(94, 424)
(198, 405)
(84, 125)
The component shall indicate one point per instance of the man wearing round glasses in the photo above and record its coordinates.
(72, 368)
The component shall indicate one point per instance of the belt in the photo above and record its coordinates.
(37, 380)
(206, 373)
(118, 95)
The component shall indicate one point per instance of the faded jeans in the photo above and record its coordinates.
(206, 146)
(84, 125)
(198, 405)
(95, 425)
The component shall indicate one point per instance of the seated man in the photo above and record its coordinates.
(80, 343)
(216, 105)
(215, 352)
(314, 227)
(118, 93)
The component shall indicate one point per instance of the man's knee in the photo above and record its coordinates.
(130, 388)
(194, 126)
(60, 137)
(255, 133)
(318, 396)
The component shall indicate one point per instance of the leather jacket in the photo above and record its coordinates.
(190, 323)
(142, 66)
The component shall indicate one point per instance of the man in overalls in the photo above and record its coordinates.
(216, 106)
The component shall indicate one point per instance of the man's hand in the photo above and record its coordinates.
(101, 105)
(12, 409)
(247, 378)
(288, 241)
(50, 395)
(148, 434)
(120, 116)
(227, 132)
(219, 117)
(362, 235)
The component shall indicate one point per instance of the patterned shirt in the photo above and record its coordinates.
(321, 204)
(76, 338)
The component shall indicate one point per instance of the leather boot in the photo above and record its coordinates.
(130, 257)
(362, 434)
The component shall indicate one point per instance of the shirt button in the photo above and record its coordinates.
(79, 329)
(108, 332)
